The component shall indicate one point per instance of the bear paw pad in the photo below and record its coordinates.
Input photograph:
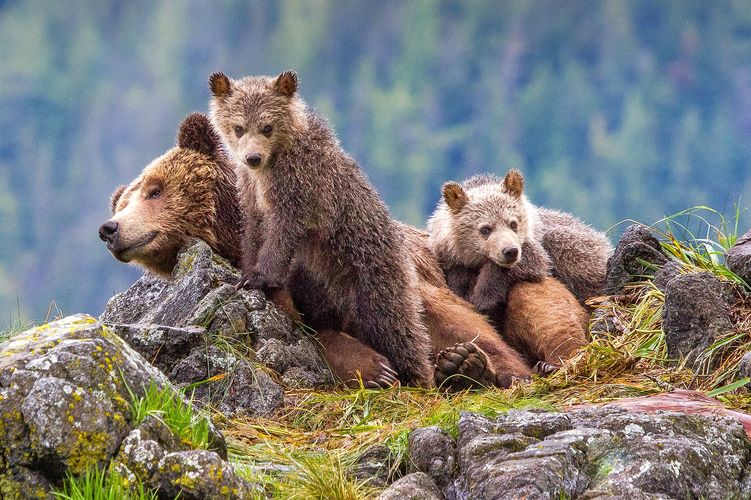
(463, 366)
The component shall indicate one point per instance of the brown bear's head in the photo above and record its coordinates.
(484, 219)
(255, 115)
(188, 192)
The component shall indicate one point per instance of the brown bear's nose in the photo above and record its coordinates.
(253, 159)
(510, 254)
(108, 230)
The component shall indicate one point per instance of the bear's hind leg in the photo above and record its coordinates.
(351, 360)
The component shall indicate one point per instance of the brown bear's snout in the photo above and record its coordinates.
(108, 231)
(253, 159)
(510, 254)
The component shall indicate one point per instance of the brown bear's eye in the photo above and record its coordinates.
(266, 130)
(486, 230)
(154, 193)
(513, 225)
(239, 131)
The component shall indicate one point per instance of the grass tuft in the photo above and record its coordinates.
(96, 484)
(174, 411)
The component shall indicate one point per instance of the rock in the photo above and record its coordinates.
(162, 346)
(624, 266)
(738, 258)
(665, 275)
(744, 366)
(415, 486)
(66, 390)
(64, 396)
(201, 475)
(22, 483)
(432, 450)
(201, 294)
(244, 390)
(374, 465)
(601, 452)
(694, 317)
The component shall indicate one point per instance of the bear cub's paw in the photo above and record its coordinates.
(256, 280)
(463, 366)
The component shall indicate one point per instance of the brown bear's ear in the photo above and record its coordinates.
(454, 196)
(514, 183)
(286, 83)
(219, 84)
(197, 133)
(116, 194)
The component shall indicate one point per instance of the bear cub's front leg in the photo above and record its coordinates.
(495, 282)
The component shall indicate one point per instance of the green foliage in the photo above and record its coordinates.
(613, 110)
(175, 411)
(96, 484)
(697, 239)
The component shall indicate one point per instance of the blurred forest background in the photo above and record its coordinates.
(612, 109)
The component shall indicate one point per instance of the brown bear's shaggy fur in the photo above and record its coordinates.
(545, 322)
(449, 319)
(188, 192)
(314, 205)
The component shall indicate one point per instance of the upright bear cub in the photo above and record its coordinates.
(308, 202)
(190, 192)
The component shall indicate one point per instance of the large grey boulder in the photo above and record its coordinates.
(595, 453)
(64, 397)
(170, 321)
(695, 315)
(66, 390)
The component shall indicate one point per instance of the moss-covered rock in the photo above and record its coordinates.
(65, 397)
(201, 475)
(66, 390)
(592, 453)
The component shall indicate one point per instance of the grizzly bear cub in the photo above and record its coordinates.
(307, 202)
(487, 234)
(494, 235)
(489, 240)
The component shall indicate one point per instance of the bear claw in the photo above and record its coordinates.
(388, 377)
(542, 368)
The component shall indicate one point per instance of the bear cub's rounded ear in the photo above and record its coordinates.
(116, 194)
(197, 133)
(454, 196)
(514, 183)
(286, 83)
(219, 84)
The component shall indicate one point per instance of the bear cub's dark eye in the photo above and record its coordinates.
(486, 230)
(154, 193)
(266, 130)
(513, 225)
(239, 131)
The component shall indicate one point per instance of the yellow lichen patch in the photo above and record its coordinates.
(88, 449)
